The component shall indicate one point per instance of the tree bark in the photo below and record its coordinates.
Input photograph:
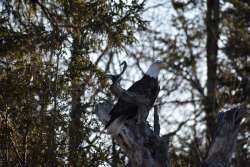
(221, 150)
(212, 25)
(75, 114)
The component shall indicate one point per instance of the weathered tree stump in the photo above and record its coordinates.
(145, 148)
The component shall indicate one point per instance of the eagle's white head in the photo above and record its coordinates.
(154, 68)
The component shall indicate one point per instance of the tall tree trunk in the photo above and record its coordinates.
(75, 123)
(52, 121)
(212, 25)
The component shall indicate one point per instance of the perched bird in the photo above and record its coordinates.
(147, 86)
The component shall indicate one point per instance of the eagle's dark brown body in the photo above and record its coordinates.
(147, 86)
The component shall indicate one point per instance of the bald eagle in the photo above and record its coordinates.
(147, 86)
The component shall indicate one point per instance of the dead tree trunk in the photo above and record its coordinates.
(221, 150)
(145, 148)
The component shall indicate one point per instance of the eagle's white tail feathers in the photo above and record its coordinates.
(116, 126)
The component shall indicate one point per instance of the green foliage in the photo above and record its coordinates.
(48, 84)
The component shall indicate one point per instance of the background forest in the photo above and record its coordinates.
(54, 55)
